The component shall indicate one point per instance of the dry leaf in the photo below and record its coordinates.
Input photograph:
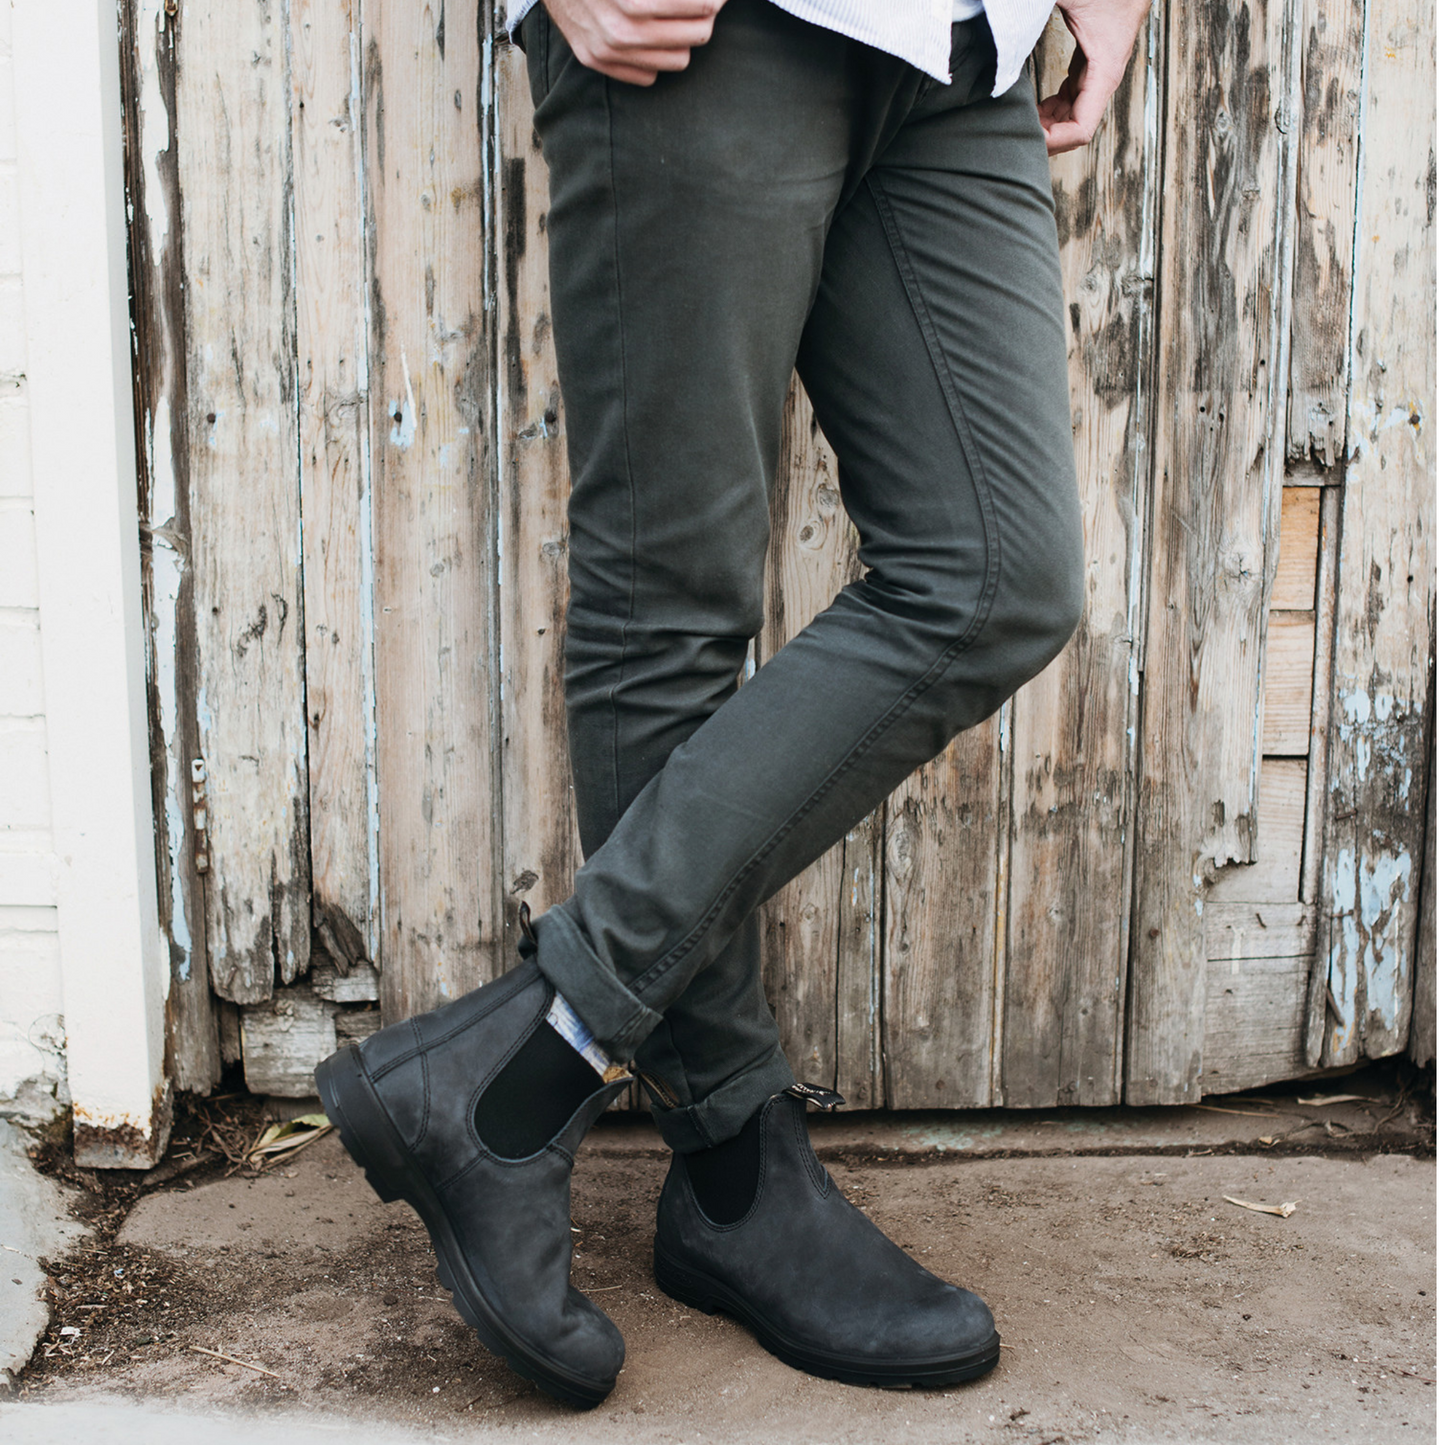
(1332, 1099)
(279, 1140)
(1266, 1140)
(1283, 1210)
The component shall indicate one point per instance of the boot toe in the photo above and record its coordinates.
(588, 1344)
(939, 1322)
(959, 1324)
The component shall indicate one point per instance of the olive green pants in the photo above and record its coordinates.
(792, 199)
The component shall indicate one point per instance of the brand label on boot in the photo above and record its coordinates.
(816, 1094)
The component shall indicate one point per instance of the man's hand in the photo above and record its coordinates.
(1104, 32)
(633, 40)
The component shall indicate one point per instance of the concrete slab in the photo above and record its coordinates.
(35, 1224)
(1138, 1306)
(119, 1421)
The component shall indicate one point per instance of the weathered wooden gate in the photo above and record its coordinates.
(1188, 858)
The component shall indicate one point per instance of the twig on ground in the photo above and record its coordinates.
(1243, 1113)
(1398, 1105)
(1283, 1210)
(232, 1360)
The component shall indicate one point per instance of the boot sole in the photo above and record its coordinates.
(371, 1139)
(701, 1291)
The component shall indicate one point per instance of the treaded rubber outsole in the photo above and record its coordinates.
(351, 1104)
(701, 1291)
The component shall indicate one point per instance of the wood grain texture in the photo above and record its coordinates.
(1333, 32)
(1384, 626)
(1259, 930)
(1299, 551)
(1074, 726)
(812, 553)
(940, 928)
(234, 148)
(860, 1077)
(163, 442)
(540, 849)
(1422, 1016)
(431, 434)
(331, 334)
(1279, 840)
(347, 398)
(284, 1039)
(1227, 223)
(1289, 658)
(1316, 799)
(1252, 1029)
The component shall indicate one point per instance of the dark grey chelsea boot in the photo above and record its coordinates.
(813, 1278)
(409, 1103)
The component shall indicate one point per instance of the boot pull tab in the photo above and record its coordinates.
(528, 931)
(816, 1094)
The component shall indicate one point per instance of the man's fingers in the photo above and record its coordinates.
(653, 60)
(1072, 114)
(622, 35)
(628, 74)
(1090, 102)
(1064, 135)
(670, 9)
(637, 68)
(635, 40)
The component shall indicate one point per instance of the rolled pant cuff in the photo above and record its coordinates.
(725, 1110)
(618, 1019)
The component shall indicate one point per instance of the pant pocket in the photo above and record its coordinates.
(534, 38)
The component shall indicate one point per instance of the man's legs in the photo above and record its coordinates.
(687, 232)
(793, 196)
(688, 235)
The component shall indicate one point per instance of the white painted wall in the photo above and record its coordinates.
(80, 935)
(32, 1060)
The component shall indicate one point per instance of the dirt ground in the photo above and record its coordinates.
(1135, 1303)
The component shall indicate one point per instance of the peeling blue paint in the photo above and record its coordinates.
(1367, 897)
(1383, 889)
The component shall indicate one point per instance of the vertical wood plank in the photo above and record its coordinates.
(1325, 242)
(859, 1077)
(1274, 876)
(1384, 626)
(941, 907)
(539, 830)
(431, 428)
(811, 554)
(1253, 1017)
(158, 313)
(335, 476)
(234, 151)
(1231, 79)
(1299, 550)
(1422, 1016)
(1284, 729)
(1316, 802)
(1074, 727)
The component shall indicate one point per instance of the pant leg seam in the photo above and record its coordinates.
(992, 569)
(607, 85)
